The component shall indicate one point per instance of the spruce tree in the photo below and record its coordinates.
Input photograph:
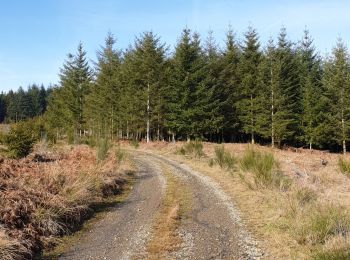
(248, 105)
(280, 92)
(288, 113)
(310, 83)
(102, 104)
(75, 83)
(212, 91)
(228, 86)
(145, 78)
(337, 84)
(2, 107)
(190, 110)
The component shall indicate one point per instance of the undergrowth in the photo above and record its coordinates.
(192, 148)
(41, 200)
(134, 143)
(102, 149)
(264, 170)
(223, 158)
(344, 166)
(324, 229)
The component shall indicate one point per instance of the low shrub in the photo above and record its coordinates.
(134, 143)
(102, 149)
(119, 154)
(20, 140)
(192, 148)
(264, 168)
(344, 166)
(224, 158)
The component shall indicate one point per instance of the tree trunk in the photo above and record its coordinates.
(147, 134)
(158, 132)
(127, 129)
(112, 122)
(272, 114)
(251, 117)
(173, 137)
(343, 130)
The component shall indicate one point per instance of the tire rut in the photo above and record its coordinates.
(214, 229)
(123, 232)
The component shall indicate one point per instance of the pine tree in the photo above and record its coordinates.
(249, 103)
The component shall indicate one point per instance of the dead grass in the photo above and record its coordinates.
(165, 238)
(11, 248)
(318, 194)
(44, 198)
(344, 166)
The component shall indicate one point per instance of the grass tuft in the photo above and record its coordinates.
(134, 143)
(337, 248)
(344, 166)
(224, 158)
(119, 154)
(192, 148)
(305, 195)
(102, 149)
(321, 224)
(264, 168)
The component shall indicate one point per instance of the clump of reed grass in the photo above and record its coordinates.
(264, 169)
(223, 158)
(192, 148)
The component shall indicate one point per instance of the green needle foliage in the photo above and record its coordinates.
(283, 93)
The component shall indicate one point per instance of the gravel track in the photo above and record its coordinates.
(122, 233)
(212, 230)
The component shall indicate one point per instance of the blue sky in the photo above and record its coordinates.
(36, 35)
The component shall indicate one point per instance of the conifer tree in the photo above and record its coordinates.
(75, 83)
(212, 94)
(103, 101)
(228, 85)
(310, 83)
(279, 92)
(289, 108)
(189, 112)
(337, 84)
(147, 64)
(248, 105)
(2, 107)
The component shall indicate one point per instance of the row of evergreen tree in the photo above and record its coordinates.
(282, 93)
(23, 104)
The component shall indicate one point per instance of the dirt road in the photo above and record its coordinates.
(211, 230)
